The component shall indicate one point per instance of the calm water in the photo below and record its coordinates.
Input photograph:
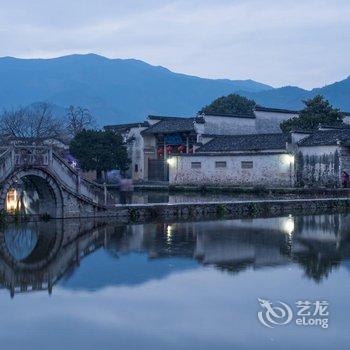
(97, 285)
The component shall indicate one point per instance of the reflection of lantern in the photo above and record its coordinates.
(181, 148)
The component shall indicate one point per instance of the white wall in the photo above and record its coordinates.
(136, 151)
(268, 122)
(219, 125)
(268, 170)
(264, 123)
(319, 166)
(346, 119)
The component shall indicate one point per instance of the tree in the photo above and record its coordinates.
(100, 150)
(231, 104)
(78, 119)
(36, 121)
(316, 111)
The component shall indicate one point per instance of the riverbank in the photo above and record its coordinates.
(140, 213)
(231, 209)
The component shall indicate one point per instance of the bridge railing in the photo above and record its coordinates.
(32, 155)
(80, 185)
(6, 162)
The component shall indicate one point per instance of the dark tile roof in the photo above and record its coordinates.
(275, 110)
(211, 135)
(287, 111)
(229, 153)
(171, 125)
(335, 127)
(165, 117)
(229, 115)
(245, 143)
(302, 131)
(326, 138)
(123, 127)
(198, 118)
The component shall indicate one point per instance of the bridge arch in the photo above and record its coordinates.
(42, 193)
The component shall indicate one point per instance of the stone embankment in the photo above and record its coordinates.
(234, 209)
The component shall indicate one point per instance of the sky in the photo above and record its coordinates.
(279, 42)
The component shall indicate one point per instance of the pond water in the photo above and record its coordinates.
(89, 284)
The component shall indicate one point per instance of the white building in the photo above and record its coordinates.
(239, 160)
(322, 155)
(152, 142)
(235, 150)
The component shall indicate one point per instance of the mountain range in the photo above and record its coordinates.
(127, 90)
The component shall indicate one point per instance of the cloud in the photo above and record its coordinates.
(202, 309)
(278, 42)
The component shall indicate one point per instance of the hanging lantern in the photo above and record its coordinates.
(160, 152)
(181, 149)
(190, 150)
(169, 149)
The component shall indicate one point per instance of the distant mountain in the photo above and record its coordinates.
(119, 91)
(115, 90)
(291, 97)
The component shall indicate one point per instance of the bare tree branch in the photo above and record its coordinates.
(36, 122)
(78, 119)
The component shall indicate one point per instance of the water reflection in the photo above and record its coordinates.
(36, 256)
(20, 241)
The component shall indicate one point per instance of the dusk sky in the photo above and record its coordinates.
(278, 42)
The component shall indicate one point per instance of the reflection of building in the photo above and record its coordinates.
(37, 255)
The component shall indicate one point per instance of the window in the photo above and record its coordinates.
(246, 164)
(136, 168)
(220, 164)
(196, 165)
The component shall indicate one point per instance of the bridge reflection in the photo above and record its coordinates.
(35, 256)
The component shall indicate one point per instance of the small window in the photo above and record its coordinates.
(136, 168)
(220, 164)
(247, 165)
(196, 165)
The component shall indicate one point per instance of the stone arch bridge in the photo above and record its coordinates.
(49, 184)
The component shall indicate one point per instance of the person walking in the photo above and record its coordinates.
(126, 190)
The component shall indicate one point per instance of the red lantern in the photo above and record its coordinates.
(190, 150)
(160, 152)
(181, 149)
(169, 149)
